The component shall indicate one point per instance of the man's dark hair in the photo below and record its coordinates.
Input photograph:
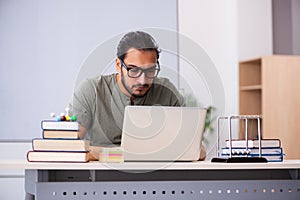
(137, 40)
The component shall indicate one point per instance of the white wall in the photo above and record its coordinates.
(46, 46)
(213, 25)
(229, 31)
(254, 26)
(12, 181)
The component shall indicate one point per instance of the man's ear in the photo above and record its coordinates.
(118, 65)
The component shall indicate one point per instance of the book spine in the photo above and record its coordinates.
(63, 151)
(244, 151)
(254, 154)
(254, 143)
(27, 156)
(44, 132)
(55, 125)
(54, 160)
(269, 157)
(83, 145)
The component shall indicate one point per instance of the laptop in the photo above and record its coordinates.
(160, 133)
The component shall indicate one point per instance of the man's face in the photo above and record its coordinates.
(139, 86)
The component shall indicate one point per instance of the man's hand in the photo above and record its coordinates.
(82, 132)
(202, 153)
(94, 153)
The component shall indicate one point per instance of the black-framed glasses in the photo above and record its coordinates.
(135, 71)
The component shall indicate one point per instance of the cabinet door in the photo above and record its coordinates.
(281, 101)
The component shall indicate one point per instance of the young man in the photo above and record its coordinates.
(99, 102)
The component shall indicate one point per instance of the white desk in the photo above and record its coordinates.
(180, 180)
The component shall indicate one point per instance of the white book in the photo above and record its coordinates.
(60, 134)
(59, 125)
(254, 143)
(39, 144)
(45, 156)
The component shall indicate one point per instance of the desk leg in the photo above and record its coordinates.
(31, 178)
(29, 196)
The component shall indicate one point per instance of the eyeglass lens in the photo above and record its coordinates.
(137, 71)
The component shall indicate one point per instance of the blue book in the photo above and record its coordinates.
(255, 151)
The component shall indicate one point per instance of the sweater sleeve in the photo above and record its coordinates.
(82, 103)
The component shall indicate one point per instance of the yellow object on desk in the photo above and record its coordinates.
(111, 154)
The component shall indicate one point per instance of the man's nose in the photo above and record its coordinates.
(142, 79)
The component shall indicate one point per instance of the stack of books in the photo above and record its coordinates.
(270, 149)
(59, 143)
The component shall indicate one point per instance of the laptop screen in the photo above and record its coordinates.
(161, 133)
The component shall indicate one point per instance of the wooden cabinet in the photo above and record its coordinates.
(270, 86)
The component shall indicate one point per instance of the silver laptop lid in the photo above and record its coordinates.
(159, 133)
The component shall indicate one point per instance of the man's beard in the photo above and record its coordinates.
(130, 90)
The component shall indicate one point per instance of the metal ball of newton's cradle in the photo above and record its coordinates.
(64, 117)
